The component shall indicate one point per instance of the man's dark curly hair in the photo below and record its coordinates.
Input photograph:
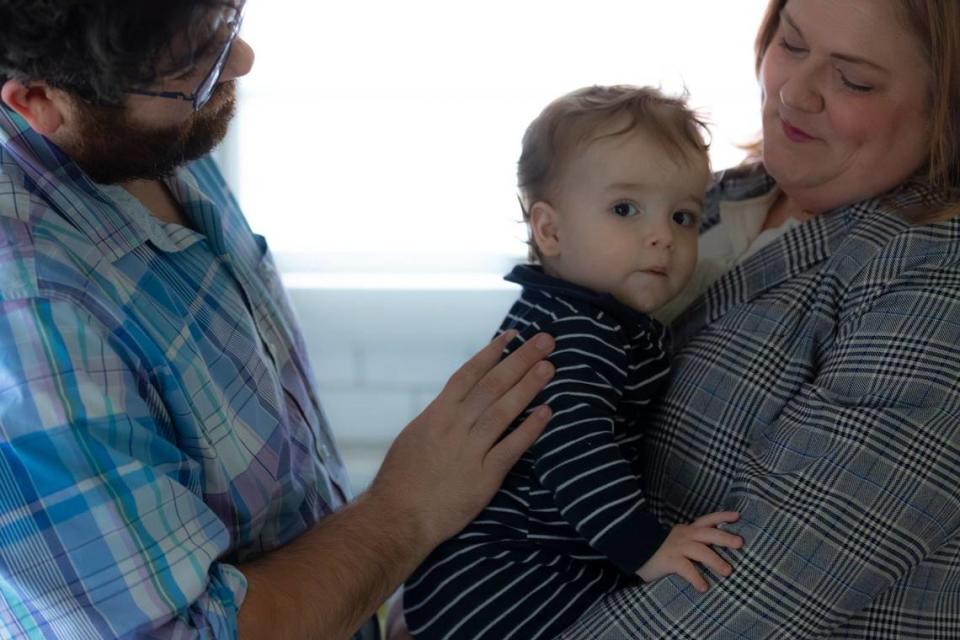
(97, 49)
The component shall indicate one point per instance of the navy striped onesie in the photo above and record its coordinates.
(569, 523)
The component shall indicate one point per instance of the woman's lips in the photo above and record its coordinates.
(794, 134)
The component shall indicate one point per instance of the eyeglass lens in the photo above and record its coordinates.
(205, 90)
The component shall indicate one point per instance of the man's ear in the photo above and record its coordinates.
(38, 104)
(545, 224)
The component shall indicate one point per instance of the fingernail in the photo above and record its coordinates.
(544, 370)
(544, 343)
(509, 335)
(543, 411)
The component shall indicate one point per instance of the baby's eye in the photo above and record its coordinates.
(625, 209)
(686, 218)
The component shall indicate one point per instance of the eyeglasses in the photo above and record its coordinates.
(233, 18)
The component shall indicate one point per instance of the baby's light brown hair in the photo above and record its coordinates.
(580, 117)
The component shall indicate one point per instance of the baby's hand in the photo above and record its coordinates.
(689, 543)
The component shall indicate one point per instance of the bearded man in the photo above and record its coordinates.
(165, 467)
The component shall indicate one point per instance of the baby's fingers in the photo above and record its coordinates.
(709, 558)
(718, 538)
(713, 519)
(688, 572)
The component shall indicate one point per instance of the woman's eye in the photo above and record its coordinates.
(791, 48)
(685, 218)
(859, 88)
(625, 209)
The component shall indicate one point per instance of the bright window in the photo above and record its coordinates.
(382, 136)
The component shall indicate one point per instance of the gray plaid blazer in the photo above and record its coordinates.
(816, 389)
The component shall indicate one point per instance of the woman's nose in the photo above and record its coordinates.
(800, 92)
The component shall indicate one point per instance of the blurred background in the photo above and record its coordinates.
(375, 147)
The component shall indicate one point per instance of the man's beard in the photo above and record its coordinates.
(112, 149)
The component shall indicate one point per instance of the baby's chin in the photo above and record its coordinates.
(647, 293)
(638, 303)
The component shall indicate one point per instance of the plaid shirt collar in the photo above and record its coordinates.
(106, 214)
(800, 248)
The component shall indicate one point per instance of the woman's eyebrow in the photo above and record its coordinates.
(845, 57)
(785, 17)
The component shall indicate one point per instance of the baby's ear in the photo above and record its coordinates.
(544, 223)
(35, 103)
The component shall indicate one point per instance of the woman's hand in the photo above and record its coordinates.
(445, 466)
(689, 543)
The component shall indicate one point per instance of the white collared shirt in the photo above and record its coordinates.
(737, 236)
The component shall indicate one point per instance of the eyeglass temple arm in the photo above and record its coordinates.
(163, 94)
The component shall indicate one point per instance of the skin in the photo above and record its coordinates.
(439, 473)
(854, 79)
(442, 469)
(624, 220)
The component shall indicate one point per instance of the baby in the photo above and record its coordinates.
(611, 183)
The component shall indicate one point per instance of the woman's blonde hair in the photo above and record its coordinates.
(936, 26)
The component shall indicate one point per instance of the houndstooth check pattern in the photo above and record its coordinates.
(816, 389)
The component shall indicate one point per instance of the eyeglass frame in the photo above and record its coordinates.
(204, 90)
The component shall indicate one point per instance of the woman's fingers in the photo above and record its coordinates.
(501, 378)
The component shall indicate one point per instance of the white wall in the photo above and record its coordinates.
(376, 144)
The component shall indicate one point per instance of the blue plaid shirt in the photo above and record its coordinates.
(158, 421)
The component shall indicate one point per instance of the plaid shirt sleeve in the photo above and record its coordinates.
(851, 490)
(103, 531)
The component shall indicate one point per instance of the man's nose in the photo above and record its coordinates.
(240, 61)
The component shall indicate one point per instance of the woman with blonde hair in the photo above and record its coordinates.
(815, 383)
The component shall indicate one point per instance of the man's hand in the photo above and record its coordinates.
(441, 471)
(445, 466)
(689, 543)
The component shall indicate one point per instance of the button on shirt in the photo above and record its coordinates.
(158, 422)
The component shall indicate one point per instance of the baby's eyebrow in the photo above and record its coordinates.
(627, 186)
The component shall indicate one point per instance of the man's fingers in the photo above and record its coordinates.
(497, 417)
(501, 378)
(464, 379)
(688, 572)
(506, 453)
(713, 519)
